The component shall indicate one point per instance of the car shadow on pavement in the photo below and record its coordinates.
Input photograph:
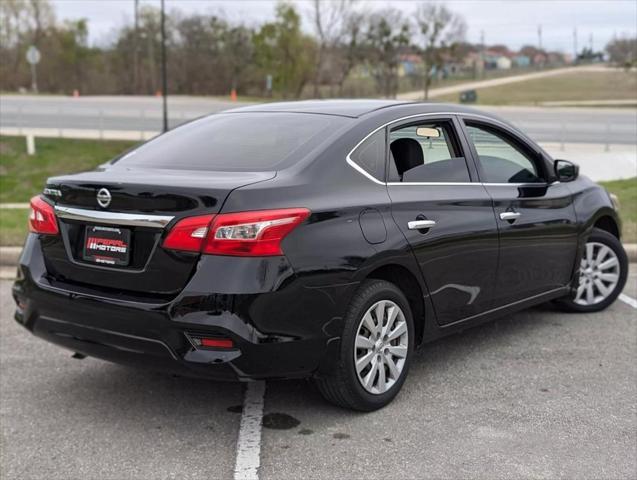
(445, 354)
(141, 396)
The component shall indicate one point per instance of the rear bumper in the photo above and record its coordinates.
(277, 333)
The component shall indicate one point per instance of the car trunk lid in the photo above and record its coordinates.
(113, 243)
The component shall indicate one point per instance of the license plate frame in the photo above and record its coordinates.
(107, 246)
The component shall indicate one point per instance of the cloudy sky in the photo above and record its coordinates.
(512, 22)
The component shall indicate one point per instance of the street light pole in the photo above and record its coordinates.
(164, 80)
(136, 50)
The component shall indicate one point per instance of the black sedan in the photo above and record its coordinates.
(325, 239)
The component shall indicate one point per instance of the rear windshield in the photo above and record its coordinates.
(236, 142)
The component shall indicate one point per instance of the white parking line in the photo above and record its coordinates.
(249, 441)
(629, 300)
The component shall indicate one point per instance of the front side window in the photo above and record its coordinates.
(426, 152)
(501, 160)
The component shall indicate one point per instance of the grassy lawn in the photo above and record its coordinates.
(13, 223)
(616, 85)
(22, 176)
(13, 226)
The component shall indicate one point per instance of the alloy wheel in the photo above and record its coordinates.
(599, 274)
(381, 347)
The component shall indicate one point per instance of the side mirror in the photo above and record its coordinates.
(565, 171)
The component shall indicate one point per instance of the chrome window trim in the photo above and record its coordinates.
(536, 184)
(360, 170)
(113, 218)
(444, 184)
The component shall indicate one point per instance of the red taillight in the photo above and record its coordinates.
(42, 217)
(189, 234)
(216, 342)
(247, 234)
(252, 234)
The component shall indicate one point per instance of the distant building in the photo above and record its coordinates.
(503, 63)
(539, 59)
(555, 58)
(521, 61)
(410, 64)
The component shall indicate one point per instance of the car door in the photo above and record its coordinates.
(445, 214)
(535, 215)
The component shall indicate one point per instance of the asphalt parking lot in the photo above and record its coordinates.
(540, 394)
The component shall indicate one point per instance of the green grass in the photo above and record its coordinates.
(13, 223)
(626, 191)
(615, 85)
(22, 176)
(13, 226)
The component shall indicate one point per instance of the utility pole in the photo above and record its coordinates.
(590, 42)
(482, 53)
(136, 50)
(575, 44)
(539, 36)
(164, 81)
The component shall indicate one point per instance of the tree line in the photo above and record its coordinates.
(351, 51)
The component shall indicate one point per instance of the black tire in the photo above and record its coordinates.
(343, 387)
(600, 236)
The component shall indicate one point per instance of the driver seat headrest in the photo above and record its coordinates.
(407, 154)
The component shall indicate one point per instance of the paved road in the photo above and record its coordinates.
(540, 394)
(581, 125)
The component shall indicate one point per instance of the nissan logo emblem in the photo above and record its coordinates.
(104, 198)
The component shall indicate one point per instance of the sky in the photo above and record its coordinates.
(511, 22)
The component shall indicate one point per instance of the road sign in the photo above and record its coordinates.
(33, 55)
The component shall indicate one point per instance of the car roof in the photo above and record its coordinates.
(348, 108)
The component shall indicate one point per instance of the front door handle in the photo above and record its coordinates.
(510, 216)
(421, 224)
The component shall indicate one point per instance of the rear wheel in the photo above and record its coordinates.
(376, 349)
(602, 276)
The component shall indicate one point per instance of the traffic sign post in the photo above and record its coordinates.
(33, 57)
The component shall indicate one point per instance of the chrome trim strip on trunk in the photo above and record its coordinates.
(113, 218)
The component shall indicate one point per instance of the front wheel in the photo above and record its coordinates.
(376, 349)
(602, 275)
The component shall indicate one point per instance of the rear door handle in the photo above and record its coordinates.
(421, 224)
(510, 216)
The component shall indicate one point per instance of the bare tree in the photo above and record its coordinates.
(387, 34)
(623, 52)
(351, 49)
(440, 29)
(42, 17)
(330, 19)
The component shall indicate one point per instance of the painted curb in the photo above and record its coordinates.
(9, 255)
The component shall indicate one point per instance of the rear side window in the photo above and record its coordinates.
(501, 160)
(236, 142)
(370, 155)
(426, 152)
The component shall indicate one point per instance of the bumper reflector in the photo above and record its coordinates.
(208, 342)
